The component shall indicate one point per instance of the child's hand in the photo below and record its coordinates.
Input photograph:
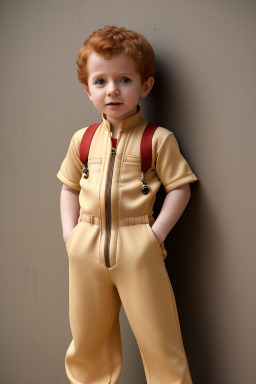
(65, 237)
(159, 236)
(173, 206)
(69, 207)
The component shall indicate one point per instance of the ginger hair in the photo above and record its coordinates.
(112, 40)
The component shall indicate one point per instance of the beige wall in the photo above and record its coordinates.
(206, 95)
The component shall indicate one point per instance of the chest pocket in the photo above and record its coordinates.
(94, 167)
(131, 169)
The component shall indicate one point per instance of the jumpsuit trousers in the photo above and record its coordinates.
(140, 281)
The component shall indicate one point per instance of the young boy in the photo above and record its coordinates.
(116, 249)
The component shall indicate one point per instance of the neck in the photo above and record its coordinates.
(114, 133)
(115, 127)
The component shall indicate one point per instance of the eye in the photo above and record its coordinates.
(100, 82)
(125, 80)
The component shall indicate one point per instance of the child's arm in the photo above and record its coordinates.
(173, 206)
(69, 209)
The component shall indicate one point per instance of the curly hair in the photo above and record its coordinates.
(112, 40)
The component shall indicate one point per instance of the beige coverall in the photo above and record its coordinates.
(114, 229)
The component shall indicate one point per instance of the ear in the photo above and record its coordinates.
(147, 86)
(87, 90)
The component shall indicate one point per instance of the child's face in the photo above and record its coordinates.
(115, 87)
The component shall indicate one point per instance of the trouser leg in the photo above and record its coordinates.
(94, 355)
(146, 293)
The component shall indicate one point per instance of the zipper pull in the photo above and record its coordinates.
(144, 188)
(113, 151)
(85, 171)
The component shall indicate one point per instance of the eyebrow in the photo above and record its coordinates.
(97, 75)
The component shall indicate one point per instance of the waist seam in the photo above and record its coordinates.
(91, 219)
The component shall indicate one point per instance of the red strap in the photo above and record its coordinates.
(86, 141)
(114, 142)
(146, 147)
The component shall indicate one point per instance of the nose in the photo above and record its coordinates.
(113, 89)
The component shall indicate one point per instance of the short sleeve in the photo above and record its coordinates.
(171, 167)
(71, 168)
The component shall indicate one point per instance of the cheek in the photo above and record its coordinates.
(97, 98)
(131, 94)
(134, 96)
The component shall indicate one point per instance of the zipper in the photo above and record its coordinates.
(108, 204)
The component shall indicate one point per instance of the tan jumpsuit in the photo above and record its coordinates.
(115, 257)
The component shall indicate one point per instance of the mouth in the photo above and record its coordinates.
(113, 103)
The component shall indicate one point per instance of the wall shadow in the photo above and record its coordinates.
(166, 106)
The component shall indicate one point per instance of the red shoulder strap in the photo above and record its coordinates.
(86, 141)
(146, 147)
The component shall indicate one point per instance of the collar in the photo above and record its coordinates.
(125, 124)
